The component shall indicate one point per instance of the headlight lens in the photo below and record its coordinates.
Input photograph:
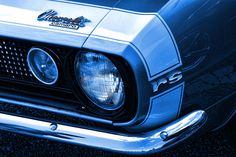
(100, 80)
(42, 66)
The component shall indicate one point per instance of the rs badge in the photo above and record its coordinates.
(169, 79)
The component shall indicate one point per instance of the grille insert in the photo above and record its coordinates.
(15, 74)
(13, 62)
(14, 67)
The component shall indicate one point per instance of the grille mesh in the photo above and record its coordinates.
(13, 62)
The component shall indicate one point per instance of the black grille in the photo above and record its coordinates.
(16, 77)
(15, 73)
(13, 61)
(13, 64)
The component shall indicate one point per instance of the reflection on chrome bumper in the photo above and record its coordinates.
(143, 143)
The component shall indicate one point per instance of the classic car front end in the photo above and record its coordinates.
(120, 75)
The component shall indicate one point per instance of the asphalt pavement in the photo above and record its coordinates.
(215, 144)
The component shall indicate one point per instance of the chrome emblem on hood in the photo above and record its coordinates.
(64, 22)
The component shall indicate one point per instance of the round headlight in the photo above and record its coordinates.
(100, 80)
(42, 66)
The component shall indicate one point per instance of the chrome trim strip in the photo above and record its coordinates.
(143, 143)
(54, 110)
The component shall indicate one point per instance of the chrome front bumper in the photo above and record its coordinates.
(142, 143)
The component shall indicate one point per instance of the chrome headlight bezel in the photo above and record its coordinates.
(129, 107)
(51, 56)
(95, 100)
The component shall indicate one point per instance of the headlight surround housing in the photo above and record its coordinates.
(100, 80)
